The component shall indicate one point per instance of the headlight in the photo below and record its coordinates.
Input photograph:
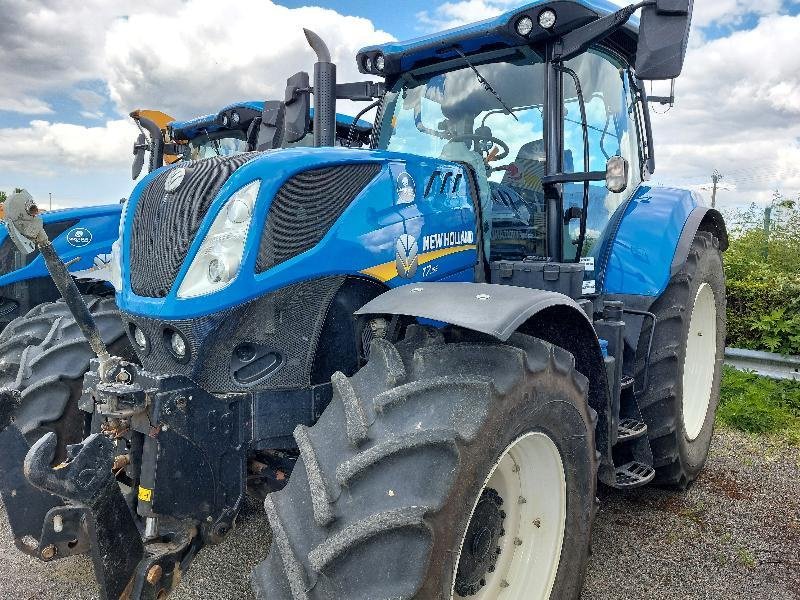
(219, 258)
(115, 277)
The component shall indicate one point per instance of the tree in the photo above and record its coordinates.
(2, 197)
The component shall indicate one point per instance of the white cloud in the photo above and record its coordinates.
(738, 110)
(204, 64)
(45, 145)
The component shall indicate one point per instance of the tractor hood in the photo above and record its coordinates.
(262, 221)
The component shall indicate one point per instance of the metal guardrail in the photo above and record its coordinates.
(767, 364)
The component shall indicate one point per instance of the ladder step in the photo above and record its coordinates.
(630, 429)
(627, 382)
(634, 474)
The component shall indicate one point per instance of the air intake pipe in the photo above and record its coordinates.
(324, 92)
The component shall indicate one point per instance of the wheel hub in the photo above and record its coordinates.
(481, 544)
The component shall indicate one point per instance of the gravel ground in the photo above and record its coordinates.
(734, 534)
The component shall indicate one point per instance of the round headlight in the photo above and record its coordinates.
(547, 19)
(235, 117)
(217, 270)
(178, 345)
(139, 338)
(238, 211)
(524, 26)
(380, 62)
(368, 63)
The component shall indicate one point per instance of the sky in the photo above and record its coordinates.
(70, 73)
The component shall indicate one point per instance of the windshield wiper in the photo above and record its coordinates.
(484, 83)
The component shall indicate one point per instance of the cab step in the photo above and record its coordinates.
(627, 382)
(633, 475)
(630, 429)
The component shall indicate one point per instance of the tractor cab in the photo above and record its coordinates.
(556, 136)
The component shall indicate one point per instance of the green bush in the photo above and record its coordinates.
(756, 404)
(763, 275)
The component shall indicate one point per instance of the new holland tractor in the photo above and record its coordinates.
(423, 355)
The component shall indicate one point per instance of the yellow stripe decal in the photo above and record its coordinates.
(387, 271)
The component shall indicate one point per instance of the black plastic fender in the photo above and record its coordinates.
(701, 218)
(501, 310)
(496, 310)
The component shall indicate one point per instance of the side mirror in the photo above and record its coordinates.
(617, 169)
(297, 118)
(663, 38)
(272, 127)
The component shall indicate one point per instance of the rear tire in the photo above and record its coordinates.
(682, 394)
(410, 448)
(44, 356)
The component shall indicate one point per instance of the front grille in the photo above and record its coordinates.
(289, 320)
(164, 225)
(306, 207)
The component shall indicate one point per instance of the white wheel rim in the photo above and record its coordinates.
(700, 361)
(530, 478)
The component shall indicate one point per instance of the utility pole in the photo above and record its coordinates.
(715, 178)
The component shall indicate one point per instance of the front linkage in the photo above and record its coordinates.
(162, 473)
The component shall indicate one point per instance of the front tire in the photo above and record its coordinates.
(430, 459)
(680, 401)
(44, 356)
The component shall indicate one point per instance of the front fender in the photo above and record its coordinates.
(496, 310)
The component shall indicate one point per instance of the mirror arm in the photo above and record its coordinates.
(360, 91)
(578, 41)
(648, 127)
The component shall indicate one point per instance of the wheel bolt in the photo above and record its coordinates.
(49, 552)
(503, 584)
(154, 574)
(517, 542)
(522, 500)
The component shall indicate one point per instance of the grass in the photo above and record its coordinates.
(760, 405)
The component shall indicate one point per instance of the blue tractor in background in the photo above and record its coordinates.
(442, 342)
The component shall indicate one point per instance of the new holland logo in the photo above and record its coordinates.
(447, 240)
(406, 257)
(174, 179)
(79, 236)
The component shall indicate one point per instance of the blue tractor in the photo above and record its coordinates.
(441, 342)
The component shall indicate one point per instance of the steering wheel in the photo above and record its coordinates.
(481, 139)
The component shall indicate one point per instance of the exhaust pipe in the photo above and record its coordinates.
(324, 92)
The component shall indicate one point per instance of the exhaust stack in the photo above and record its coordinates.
(324, 92)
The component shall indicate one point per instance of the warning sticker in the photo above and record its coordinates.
(588, 263)
(589, 287)
(145, 495)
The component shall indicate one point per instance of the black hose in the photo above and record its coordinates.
(585, 127)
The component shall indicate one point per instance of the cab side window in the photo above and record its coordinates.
(612, 129)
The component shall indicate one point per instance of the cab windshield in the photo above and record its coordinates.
(454, 116)
(222, 143)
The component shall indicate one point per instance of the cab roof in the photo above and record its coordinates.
(500, 32)
(192, 128)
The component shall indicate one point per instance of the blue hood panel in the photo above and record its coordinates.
(363, 241)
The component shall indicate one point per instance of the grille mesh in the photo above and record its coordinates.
(289, 320)
(305, 208)
(165, 224)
